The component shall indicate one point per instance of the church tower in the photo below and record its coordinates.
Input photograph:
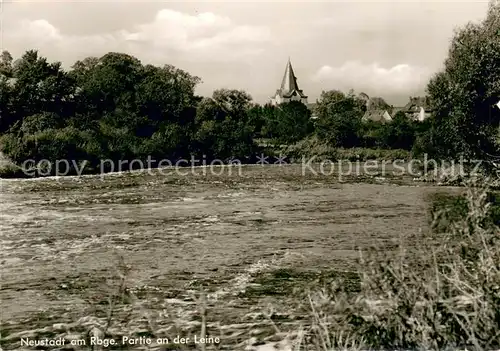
(289, 90)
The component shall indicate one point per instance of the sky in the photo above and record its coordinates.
(382, 48)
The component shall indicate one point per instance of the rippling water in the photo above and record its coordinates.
(60, 237)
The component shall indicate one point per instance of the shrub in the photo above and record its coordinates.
(313, 146)
(11, 171)
(448, 209)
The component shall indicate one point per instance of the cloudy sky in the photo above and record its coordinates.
(383, 48)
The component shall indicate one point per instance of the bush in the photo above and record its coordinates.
(11, 171)
(50, 144)
(448, 209)
(363, 154)
(312, 146)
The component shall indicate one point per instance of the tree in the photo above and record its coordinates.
(109, 82)
(39, 122)
(82, 70)
(6, 64)
(268, 118)
(164, 92)
(257, 119)
(116, 108)
(7, 117)
(463, 95)
(399, 133)
(291, 122)
(234, 103)
(222, 128)
(151, 104)
(36, 87)
(339, 118)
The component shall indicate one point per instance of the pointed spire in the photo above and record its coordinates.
(289, 88)
(289, 82)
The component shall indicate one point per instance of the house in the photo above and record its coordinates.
(418, 108)
(377, 115)
(289, 90)
(377, 110)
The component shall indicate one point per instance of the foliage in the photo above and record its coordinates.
(310, 147)
(449, 209)
(257, 118)
(222, 125)
(115, 108)
(313, 147)
(399, 133)
(10, 171)
(287, 123)
(339, 118)
(465, 92)
(442, 293)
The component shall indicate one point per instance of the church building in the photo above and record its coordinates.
(289, 90)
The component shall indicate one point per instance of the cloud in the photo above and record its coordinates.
(401, 79)
(205, 36)
(204, 33)
(41, 29)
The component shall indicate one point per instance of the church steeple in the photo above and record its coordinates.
(289, 89)
(289, 82)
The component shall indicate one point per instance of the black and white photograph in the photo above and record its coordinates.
(250, 175)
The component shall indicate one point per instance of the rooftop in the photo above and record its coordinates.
(289, 85)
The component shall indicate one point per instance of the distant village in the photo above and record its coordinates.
(377, 110)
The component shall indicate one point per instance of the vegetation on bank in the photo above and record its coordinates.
(312, 146)
(114, 107)
(443, 293)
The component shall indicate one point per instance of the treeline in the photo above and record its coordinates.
(114, 107)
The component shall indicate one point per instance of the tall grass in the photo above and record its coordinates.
(442, 294)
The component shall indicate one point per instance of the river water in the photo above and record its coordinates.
(62, 240)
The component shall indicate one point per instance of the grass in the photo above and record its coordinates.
(447, 209)
(444, 295)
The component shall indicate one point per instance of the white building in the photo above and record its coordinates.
(289, 90)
